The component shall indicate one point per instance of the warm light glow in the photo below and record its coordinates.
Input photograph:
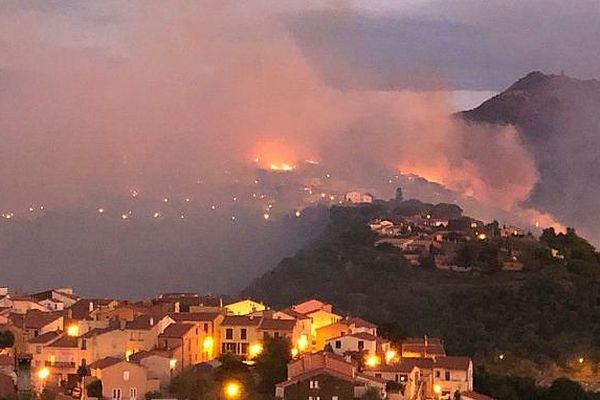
(43, 373)
(172, 363)
(275, 156)
(73, 330)
(208, 344)
(389, 356)
(255, 349)
(266, 216)
(294, 352)
(232, 390)
(581, 360)
(482, 236)
(501, 356)
(302, 343)
(101, 210)
(298, 213)
(128, 354)
(372, 361)
(437, 389)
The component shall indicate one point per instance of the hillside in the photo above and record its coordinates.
(558, 120)
(540, 319)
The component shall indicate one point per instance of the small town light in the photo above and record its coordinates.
(266, 216)
(73, 330)
(208, 343)
(390, 355)
(298, 213)
(482, 236)
(255, 349)
(101, 210)
(172, 363)
(294, 352)
(232, 390)
(437, 389)
(372, 361)
(580, 360)
(302, 343)
(43, 373)
(501, 356)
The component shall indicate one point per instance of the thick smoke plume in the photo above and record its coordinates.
(163, 93)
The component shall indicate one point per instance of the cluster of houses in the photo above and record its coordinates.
(135, 348)
(441, 240)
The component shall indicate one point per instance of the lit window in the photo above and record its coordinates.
(125, 375)
(132, 393)
(314, 384)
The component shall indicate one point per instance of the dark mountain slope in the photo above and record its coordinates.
(559, 119)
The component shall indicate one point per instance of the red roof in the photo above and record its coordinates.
(45, 337)
(142, 322)
(65, 342)
(240, 320)
(272, 324)
(294, 314)
(360, 323)
(461, 363)
(105, 362)
(177, 330)
(194, 316)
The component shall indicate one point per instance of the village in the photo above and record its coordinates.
(65, 343)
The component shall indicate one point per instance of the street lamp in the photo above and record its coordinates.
(43, 374)
(232, 390)
(437, 389)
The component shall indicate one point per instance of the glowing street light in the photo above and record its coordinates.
(43, 373)
(73, 330)
(390, 355)
(580, 360)
(266, 216)
(172, 363)
(232, 390)
(208, 344)
(501, 357)
(437, 389)
(100, 210)
(298, 214)
(294, 352)
(255, 349)
(302, 343)
(372, 361)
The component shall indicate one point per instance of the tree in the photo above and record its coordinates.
(271, 364)
(564, 388)
(94, 389)
(192, 384)
(7, 339)
(371, 394)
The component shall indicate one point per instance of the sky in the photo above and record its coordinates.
(99, 98)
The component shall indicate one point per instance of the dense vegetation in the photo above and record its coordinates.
(543, 322)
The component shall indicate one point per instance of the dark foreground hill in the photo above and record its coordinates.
(559, 120)
(542, 320)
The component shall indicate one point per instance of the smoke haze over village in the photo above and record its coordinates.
(102, 100)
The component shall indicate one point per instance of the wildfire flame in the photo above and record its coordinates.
(275, 155)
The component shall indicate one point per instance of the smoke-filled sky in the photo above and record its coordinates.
(97, 98)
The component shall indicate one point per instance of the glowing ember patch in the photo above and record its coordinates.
(274, 155)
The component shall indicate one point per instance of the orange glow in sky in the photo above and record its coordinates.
(274, 155)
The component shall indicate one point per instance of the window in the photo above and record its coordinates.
(334, 398)
(125, 375)
(206, 328)
(132, 393)
(229, 347)
(229, 334)
(338, 344)
(438, 374)
(313, 384)
(244, 349)
(447, 375)
(314, 397)
(276, 334)
(377, 375)
(243, 334)
(38, 349)
(361, 344)
(116, 394)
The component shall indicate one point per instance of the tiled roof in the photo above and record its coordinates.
(65, 342)
(360, 323)
(141, 322)
(476, 396)
(314, 372)
(240, 320)
(34, 319)
(403, 367)
(105, 362)
(45, 337)
(271, 324)
(177, 330)
(140, 355)
(461, 363)
(367, 336)
(293, 313)
(194, 316)
(97, 332)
